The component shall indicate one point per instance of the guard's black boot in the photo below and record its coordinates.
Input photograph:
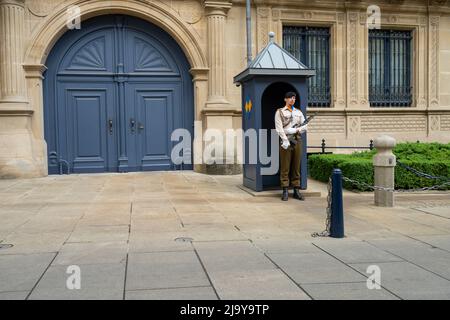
(285, 195)
(298, 195)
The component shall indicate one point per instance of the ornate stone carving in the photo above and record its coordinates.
(263, 26)
(434, 61)
(393, 19)
(354, 124)
(435, 123)
(353, 58)
(263, 12)
(276, 14)
(41, 8)
(191, 11)
(423, 20)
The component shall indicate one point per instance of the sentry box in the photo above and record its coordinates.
(264, 82)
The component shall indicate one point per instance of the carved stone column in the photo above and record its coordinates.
(218, 114)
(18, 147)
(12, 23)
(216, 12)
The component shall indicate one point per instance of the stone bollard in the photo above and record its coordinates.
(384, 165)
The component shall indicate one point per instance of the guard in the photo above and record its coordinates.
(288, 122)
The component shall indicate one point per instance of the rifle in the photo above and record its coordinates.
(304, 122)
(294, 140)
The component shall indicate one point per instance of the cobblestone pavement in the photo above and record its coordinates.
(130, 236)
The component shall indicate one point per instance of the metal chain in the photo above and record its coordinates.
(379, 188)
(326, 232)
(420, 173)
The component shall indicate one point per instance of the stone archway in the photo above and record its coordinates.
(55, 26)
(154, 12)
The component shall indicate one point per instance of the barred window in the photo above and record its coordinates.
(311, 45)
(390, 68)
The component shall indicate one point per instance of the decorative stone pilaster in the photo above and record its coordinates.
(218, 114)
(12, 24)
(433, 63)
(357, 60)
(352, 58)
(17, 144)
(216, 12)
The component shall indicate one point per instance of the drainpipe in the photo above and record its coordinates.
(249, 33)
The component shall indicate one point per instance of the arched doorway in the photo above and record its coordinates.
(113, 93)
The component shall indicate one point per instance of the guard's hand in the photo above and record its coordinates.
(302, 128)
(285, 144)
(291, 130)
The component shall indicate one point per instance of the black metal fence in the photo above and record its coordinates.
(324, 147)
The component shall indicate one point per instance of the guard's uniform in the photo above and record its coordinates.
(289, 158)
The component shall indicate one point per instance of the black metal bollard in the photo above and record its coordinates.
(337, 211)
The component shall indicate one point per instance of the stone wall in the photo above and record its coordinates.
(212, 35)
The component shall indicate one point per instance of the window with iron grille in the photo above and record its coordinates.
(311, 45)
(390, 68)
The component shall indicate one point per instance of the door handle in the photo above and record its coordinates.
(110, 126)
(140, 127)
(132, 125)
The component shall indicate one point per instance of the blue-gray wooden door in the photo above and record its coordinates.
(114, 91)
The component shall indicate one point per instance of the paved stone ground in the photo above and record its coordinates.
(120, 229)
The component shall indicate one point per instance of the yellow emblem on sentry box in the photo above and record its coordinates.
(248, 106)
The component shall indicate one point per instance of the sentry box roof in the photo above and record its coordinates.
(273, 60)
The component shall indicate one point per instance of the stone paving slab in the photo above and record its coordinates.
(104, 281)
(14, 295)
(92, 253)
(161, 270)
(317, 267)
(346, 291)
(259, 284)
(293, 245)
(146, 242)
(228, 256)
(356, 251)
(441, 211)
(442, 242)
(239, 270)
(21, 272)
(243, 246)
(193, 293)
(410, 281)
(100, 233)
(28, 243)
(421, 254)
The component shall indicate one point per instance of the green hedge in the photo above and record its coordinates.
(431, 158)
